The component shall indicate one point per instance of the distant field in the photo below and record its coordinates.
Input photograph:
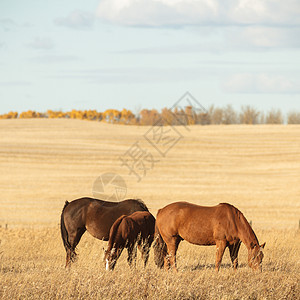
(45, 162)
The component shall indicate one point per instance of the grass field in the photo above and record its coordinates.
(45, 162)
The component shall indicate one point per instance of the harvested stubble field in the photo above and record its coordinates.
(45, 162)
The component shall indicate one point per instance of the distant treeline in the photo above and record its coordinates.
(177, 116)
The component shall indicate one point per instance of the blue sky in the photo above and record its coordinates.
(147, 53)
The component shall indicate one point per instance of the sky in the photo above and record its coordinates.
(136, 54)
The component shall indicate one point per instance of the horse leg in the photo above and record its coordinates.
(131, 250)
(73, 239)
(166, 262)
(144, 249)
(221, 245)
(145, 255)
(234, 250)
(172, 246)
(69, 257)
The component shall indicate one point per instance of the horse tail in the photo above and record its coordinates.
(113, 232)
(159, 247)
(63, 229)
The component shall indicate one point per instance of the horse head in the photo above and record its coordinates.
(255, 257)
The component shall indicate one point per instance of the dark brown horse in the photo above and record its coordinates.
(127, 232)
(222, 225)
(95, 216)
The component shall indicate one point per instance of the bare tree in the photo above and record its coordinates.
(229, 115)
(217, 116)
(293, 118)
(150, 117)
(262, 118)
(274, 117)
(226, 115)
(249, 115)
(203, 118)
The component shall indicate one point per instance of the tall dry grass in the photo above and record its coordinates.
(32, 267)
(45, 162)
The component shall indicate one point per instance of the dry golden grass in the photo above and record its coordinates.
(45, 162)
(32, 267)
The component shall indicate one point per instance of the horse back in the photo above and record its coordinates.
(75, 211)
(201, 225)
(121, 233)
(116, 232)
(129, 228)
(145, 223)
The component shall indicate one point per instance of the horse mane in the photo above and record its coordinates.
(66, 204)
(246, 226)
(142, 204)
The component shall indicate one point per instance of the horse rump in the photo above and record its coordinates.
(71, 254)
(63, 229)
(130, 232)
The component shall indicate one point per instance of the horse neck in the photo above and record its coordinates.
(246, 233)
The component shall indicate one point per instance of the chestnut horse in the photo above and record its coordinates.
(95, 216)
(222, 225)
(127, 232)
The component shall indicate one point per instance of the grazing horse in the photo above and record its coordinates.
(126, 232)
(222, 225)
(95, 216)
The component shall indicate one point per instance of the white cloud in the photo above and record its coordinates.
(200, 12)
(243, 24)
(262, 37)
(42, 43)
(260, 83)
(76, 20)
(158, 12)
(269, 12)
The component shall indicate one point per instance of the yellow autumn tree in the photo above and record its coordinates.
(10, 115)
(28, 114)
(56, 114)
(168, 117)
(126, 117)
(150, 117)
(111, 116)
(73, 114)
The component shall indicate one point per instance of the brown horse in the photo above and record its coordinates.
(95, 216)
(127, 232)
(222, 225)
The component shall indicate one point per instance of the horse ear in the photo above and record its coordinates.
(263, 245)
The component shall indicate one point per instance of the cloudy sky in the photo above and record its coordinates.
(102, 54)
